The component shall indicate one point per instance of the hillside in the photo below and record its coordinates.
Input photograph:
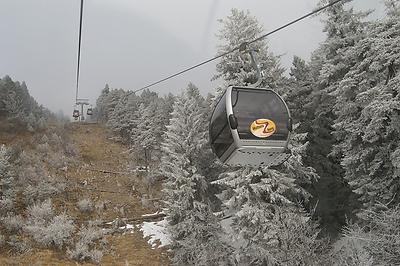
(100, 174)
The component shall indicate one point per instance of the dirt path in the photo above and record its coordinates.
(120, 193)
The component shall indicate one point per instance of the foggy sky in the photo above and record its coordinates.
(130, 43)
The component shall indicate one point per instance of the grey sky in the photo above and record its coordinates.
(130, 43)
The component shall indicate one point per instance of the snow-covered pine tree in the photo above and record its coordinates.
(298, 97)
(368, 110)
(377, 242)
(144, 134)
(101, 111)
(149, 122)
(117, 119)
(16, 104)
(7, 193)
(194, 228)
(240, 27)
(254, 197)
(344, 28)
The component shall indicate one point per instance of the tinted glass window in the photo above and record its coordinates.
(220, 133)
(250, 105)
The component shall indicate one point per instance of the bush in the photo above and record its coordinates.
(85, 248)
(7, 192)
(100, 206)
(41, 124)
(55, 140)
(6, 205)
(82, 252)
(40, 213)
(13, 223)
(85, 205)
(44, 189)
(70, 150)
(57, 160)
(18, 245)
(377, 242)
(2, 241)
(44, 139)
(56, 233)
(43, 148)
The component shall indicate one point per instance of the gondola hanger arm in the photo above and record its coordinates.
(244, 48)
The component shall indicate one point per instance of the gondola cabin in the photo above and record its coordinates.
(75, 113)
(250, 127)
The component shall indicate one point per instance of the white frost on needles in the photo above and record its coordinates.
(156, 231)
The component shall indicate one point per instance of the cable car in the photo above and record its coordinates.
(89, 111)
(250, 127)
(75, 113)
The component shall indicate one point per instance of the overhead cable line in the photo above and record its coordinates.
(79, 53)
(238, 47)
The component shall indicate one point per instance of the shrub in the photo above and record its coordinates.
(2, 241)
(13, 223)
(82, 252)
(57, 160)
(18, 245)
(43, 190)
(56, 233)
(43, 148)
(6, 205)
(44, 139)
(41, 123)
(85, 205)
(7, 192)
(377, 242)
(85, 248)
(70, 150)
(100, 206)
(55, 140)
(40, 213)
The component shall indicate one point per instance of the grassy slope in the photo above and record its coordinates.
(97, 152)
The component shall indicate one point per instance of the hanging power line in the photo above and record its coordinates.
(79, 53)
(238, 47)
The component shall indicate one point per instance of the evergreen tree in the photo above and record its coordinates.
(7, 193)
(194, 228)
(332, 195)
(254, 196)
(20, 109)
(101, 111)
(240, 27)
(368, 110)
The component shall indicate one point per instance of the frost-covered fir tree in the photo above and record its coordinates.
(149, 123)
(240, 27)
(7, 193)
(368, 110)
(193, 227)
(16, 104)
(344, 28)
(144, 135)
(101, 111)
(298, 97)
(375, 243)
(253, 197)
(120, 119)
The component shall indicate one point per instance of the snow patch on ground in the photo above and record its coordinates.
(156, 231)
(127, 227)
(151, 214)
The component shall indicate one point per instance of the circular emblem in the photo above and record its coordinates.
(263, 128)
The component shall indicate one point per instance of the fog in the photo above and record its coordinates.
(130, 43)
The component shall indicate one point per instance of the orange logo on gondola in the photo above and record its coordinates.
(263, 128)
